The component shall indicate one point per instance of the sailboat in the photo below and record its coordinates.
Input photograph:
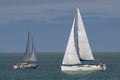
(28, 60)
(78, 49)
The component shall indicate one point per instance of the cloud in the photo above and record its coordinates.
(49, 11)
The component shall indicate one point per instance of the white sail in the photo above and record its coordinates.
(33, 55)
(27, 52)
(83, 44)
(71, 56)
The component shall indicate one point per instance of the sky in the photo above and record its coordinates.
(50, 21)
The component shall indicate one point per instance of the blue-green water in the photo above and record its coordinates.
(49, 68)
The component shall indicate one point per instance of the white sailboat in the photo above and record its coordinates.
(79, 50)
(27, 60)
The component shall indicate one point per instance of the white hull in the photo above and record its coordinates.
(84, 68)
(24, 65)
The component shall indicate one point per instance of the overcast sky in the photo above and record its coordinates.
(50, 21)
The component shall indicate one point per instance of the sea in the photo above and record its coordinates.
(49, 67)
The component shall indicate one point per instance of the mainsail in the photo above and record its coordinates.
(85, 52)
(71, 56)
(27, 52)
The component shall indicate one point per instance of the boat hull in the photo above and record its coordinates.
(24, 66)
(84, 68)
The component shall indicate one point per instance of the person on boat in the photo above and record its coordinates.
(101, 64)
(14, 63)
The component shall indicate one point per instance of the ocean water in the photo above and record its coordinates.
(49, 68)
